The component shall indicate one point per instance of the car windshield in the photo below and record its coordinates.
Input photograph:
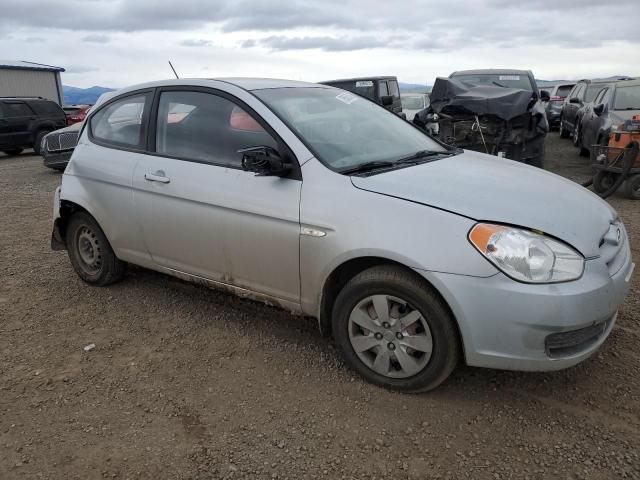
(412, 102)
(593, 90)
(507, 80)
(344, 130)
(627, 98)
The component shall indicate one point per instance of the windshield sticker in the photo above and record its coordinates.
(509, 77)
(364, 83)
(346, 97)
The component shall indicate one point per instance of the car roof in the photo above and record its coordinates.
(628, 83)
(358, 79)
(497, 71)
(249, 84)
(24, 98)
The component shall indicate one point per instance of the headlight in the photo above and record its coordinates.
(527, 256)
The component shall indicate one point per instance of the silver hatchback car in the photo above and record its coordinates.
(412, 254)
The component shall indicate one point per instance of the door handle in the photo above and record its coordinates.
(157, 177)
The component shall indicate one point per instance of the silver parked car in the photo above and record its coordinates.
(413, 103)
(412, 254)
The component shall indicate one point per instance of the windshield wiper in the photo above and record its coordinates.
(413, 159)
(367, 167)
(420, 154)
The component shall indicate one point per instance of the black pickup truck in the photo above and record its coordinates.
(382, 90)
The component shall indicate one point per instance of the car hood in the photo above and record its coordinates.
(492, 189)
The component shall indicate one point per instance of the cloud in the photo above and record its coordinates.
(460, 23)
(79, 69)
(196, 42)
(329, 44)
(96, 38)
(34, 40)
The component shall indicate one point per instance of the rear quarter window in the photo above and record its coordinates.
(47, 108)
(121, 123)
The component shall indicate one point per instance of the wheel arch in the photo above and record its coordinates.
(348, 269)
(66, 210)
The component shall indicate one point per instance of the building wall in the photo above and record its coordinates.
(30, 83)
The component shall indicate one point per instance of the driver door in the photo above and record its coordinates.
(203, 215)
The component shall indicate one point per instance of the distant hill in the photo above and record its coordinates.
(414, 87)
(75, 95)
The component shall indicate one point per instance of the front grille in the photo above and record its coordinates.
(57, 142)
(566, 344)
(613, 247)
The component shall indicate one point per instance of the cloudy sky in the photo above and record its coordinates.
(116, 43)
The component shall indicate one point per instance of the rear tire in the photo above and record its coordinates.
(90, 253)
(564, 133)
(13, 151)
(632, 187)
(38, 141)
(415, 350)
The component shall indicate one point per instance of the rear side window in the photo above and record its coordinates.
(600, 96)
(121, 123)
(393, 89)
(563, 90)
(44, 107)
(592, 91)
(206, 128)
(16, 109)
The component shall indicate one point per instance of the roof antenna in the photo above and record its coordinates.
(174, 70)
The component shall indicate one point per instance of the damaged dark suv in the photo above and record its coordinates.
(499, 112)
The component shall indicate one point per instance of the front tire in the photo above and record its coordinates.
(575, 136)
(395, 331)
(90, 253)
(37, 142)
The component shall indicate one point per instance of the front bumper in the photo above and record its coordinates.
(56, 160)
(507, 325)
(553, 114)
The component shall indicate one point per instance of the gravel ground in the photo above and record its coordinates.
(190, 383)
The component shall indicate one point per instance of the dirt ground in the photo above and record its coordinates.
(190, 383)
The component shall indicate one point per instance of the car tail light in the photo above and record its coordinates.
(556, 98)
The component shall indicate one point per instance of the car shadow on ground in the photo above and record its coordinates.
(260, 320)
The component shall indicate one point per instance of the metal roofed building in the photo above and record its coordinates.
(29, 79)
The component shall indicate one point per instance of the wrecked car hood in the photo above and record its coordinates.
(450, 95)
(492, 189)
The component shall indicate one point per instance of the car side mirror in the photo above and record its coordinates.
(574, 100)
(264, 161)
(386, 100)
(544, 95)
(598, 109)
